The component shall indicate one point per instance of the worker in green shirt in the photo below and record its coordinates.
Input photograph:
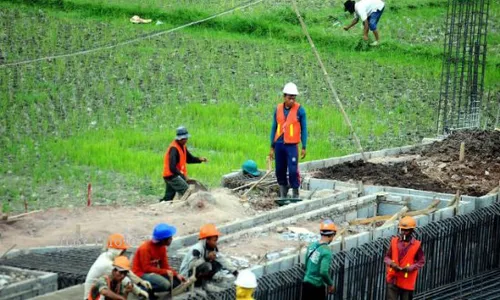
(318, 257)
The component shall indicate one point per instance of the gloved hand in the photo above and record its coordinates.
(405, 269)
(395, 266)
(146, 284)
(143, 294)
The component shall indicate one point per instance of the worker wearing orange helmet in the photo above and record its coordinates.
(115, 246)
(113, 285)
(206, 259)
(317, 280)
(403, 259)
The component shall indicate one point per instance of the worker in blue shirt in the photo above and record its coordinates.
(288, 130)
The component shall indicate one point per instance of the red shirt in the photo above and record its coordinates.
(151, 258)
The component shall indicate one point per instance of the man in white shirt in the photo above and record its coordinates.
(369, 11)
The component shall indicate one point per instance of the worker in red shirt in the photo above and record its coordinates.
(403, 259)
(151, 261)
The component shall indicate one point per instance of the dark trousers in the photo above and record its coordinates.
(312, 292)
(286, 156)
(173, 186)
(206, 271)
(396, 293)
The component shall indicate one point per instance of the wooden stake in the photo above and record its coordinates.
(8, 250)
(462, 152)
(25, 214)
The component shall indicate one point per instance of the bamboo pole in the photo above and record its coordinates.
(329, 81)
(429, 209)
(395, 216)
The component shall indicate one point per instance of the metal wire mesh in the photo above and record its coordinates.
(463, 68)
(462, 251)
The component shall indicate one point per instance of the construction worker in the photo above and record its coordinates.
(115, 246)
(208, 263)
(112, 285)
(403, 259)
(249, 167)
(317, 279)
(151, 261)
(175, 172)
(369, 11)
(246, 283)
(288, 130)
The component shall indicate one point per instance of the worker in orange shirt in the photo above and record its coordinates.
(151, 261)
(403, 259)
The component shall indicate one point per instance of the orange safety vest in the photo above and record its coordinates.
(289, 126)
(116, 291)
(181, 165)
(404, 280)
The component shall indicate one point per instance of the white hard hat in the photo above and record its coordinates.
(290, 89)
(246, 279)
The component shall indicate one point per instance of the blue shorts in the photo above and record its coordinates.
(374, 18)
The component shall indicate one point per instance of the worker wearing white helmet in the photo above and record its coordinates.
(288, 130)
(246, 282)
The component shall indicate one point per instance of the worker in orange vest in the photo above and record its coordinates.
(403, 259)
(174, 165)
(288, 130)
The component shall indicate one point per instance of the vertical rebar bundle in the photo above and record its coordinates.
(464, 59)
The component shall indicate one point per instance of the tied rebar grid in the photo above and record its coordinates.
(71, 265)
(462, 250)
(464, 60)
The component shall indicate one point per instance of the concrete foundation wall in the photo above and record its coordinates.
(43, 283)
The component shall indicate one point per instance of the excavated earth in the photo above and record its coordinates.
(435, 167)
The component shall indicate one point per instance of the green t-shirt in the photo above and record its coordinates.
(318, 265)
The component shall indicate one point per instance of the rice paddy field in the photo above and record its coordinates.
(108, 116)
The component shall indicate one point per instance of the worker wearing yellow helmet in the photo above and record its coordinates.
(403, 259)
(317, 279)
(246, 283)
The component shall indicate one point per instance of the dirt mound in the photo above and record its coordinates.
(479, 145)
(438, 168)
(402, 174)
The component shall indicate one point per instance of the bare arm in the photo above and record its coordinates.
(354, 22)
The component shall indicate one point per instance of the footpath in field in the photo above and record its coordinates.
(436, 167)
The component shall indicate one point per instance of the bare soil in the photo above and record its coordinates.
(90, 225)
(436, 168)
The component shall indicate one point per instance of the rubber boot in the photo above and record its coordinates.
(283, 191)
(295, 193)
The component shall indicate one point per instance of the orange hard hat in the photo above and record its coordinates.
(208, 230)
(407, 223)
(328, 227)
(117, 241)
(122, 263)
